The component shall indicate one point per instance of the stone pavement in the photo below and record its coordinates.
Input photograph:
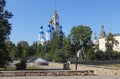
(52, 68)
(64, 77)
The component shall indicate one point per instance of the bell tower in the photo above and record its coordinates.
(102, 33)
(55, 20)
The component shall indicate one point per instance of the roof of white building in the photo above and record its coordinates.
(40, 60)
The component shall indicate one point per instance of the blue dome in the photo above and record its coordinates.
(49, 25)
(41, 27)
(41, 32)
(52, 28)
(60, 26)
(48, 30)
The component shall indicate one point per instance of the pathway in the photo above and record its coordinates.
(64, 77)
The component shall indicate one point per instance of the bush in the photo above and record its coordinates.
(112, 55)
(99, 55)
(90, 54)
(108, 55)
(21, 65)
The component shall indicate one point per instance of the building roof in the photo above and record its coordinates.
(41, 60)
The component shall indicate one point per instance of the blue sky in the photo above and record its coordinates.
(29, 15)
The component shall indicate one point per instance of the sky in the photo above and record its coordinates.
(29, 15)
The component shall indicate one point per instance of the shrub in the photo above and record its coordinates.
(21, 65)
(91, 55)
(99, 55)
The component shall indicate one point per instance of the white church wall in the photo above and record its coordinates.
(117, 48)
(47, 36)
(102, 42)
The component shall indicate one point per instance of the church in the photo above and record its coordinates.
(53, 26)
(102, 40)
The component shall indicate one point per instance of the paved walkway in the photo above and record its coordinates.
(64, 77)
(50, 68)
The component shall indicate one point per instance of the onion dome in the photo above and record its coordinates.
(41, 31)
(41, 27)
(49, 30)
(61, 26)
(51, 27)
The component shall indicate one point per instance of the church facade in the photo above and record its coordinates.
(102, 40)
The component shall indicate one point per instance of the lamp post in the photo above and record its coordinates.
(73, 42)
(82, 49)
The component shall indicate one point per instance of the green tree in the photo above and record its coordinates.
(57, 42)
(22, 49)
(59, 56)
(91, 54)
(38, 51)
(110, 42)
(11, 48)
(22, 65)
(82, 33)
(54, 46)
(33, 49)
(5, 29)
(99, 55)
(13, 52)
(68, 50)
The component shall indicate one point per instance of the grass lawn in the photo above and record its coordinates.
(113, 65)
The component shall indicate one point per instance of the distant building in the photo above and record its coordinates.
(37, 62)
(102, 40)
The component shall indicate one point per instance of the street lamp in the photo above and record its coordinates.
(73, 42)
(82, 49)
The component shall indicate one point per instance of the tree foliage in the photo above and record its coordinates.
(38, 51)
(110, 42)
(54, 48)
(68, 50)
(22, 65)
(22, 50)
(91, 54)
(5, 29)
(82, 33)
(11, 48)
(60, 48)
